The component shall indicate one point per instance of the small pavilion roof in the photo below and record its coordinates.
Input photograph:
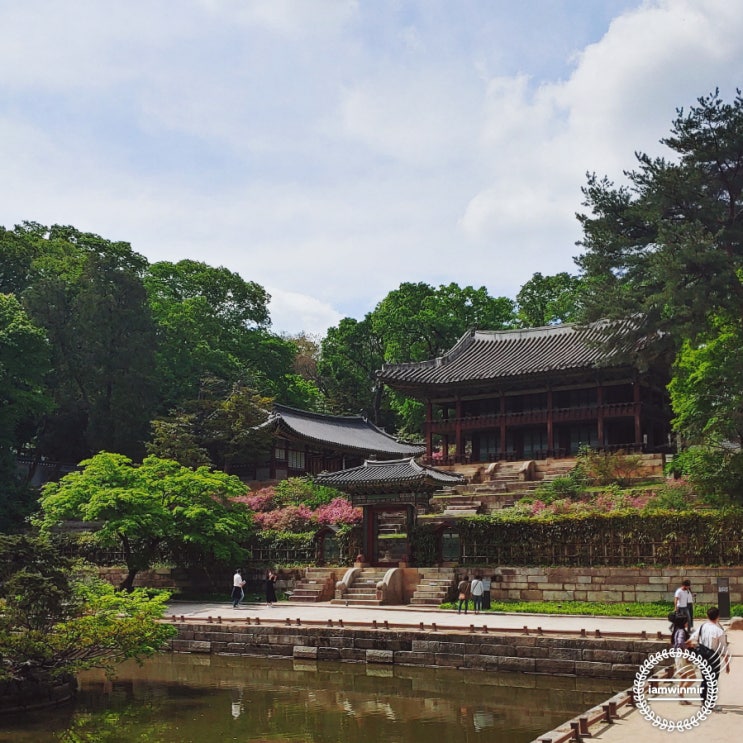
(488, 355)
(392, 473)
(346, 433)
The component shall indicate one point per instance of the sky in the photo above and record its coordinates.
(332, 149)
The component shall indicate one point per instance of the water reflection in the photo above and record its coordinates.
(182, 698)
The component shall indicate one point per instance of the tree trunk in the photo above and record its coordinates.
(128, 583)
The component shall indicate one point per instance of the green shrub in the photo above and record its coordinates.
(301, 491)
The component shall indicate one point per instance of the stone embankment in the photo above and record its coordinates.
(611, 658)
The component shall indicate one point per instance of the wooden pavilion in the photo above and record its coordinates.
(391, 494)
(537, 393)
(310, 443)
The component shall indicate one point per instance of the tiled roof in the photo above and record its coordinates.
(400, 471)
(482, 355)
(348, 433)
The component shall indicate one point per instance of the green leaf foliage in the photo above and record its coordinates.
(157, 506)
(56, 618)
(619, 538)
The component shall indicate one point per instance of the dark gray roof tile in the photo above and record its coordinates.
(349, 433)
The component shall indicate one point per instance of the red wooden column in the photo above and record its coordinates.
(502, 426)
(637, 406)
(429, 431)
(458, 441)
(550, 426)
(600, 414)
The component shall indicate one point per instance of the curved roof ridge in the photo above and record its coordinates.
(279, 407)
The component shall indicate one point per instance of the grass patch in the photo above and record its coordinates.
(659, 609)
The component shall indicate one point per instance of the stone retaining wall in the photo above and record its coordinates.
(611, 585)
(603, 658)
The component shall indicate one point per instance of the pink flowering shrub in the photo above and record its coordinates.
(262, 500)
(338, 511)
(291, 518)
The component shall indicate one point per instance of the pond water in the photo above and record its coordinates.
(199, 699)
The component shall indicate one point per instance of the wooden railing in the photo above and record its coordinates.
(604, 714)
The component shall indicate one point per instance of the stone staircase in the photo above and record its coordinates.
(318, 584)
(501, 484)
(501, 487)
(434, 587)
(363, 590)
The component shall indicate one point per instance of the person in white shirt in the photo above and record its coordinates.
(237, 589)
(476, 589)
(712, 635)
(683, 602)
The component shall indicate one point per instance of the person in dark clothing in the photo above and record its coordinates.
(271, 588)
(464, 594)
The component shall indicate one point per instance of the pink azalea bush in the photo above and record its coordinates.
(291, 518)
(279, 508)
(338, 511)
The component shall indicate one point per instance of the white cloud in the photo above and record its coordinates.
(294, 312)
(331, 150)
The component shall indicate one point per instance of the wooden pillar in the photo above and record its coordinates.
(502, 426)
(458, 442)
(638, 408)
(600, 414)
(429, 431)
(550, 425)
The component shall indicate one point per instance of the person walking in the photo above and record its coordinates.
(477, 588)
(238, 594)
(684, 668)
(712, 644)
(463, 590)
(271, 588)
(683, 602)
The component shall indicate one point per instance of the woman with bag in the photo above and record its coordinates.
(464, 593)
(711, 644)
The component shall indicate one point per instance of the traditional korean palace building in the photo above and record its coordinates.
(391, 494)
(310, 443)
(536, 393)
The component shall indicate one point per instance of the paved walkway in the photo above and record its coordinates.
(719, 727)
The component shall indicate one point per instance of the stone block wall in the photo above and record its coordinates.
(607, 584)
(535, 654)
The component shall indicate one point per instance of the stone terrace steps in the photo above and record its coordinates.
(434, 586)
(318, 584)
(363, 590)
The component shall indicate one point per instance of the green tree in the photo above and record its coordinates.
(547, 300)
(707, 386)
(669, 245)
(156, 508)
(56, 619)
(418, 322)
(87, 294)
(24, 363)
(205, 318)
(350, 354)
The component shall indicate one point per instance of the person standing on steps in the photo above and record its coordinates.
(463, 590)
(237, 588)
(477, 588)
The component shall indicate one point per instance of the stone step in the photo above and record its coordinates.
(356, 602)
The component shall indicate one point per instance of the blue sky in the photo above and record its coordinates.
(332, 149)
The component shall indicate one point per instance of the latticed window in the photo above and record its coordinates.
(296, 459)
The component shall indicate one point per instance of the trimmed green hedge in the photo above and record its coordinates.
(619, 539)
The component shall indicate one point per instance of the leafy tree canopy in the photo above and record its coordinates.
(56, 618)
(669, 244)
(159, 507)
(548, 300)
